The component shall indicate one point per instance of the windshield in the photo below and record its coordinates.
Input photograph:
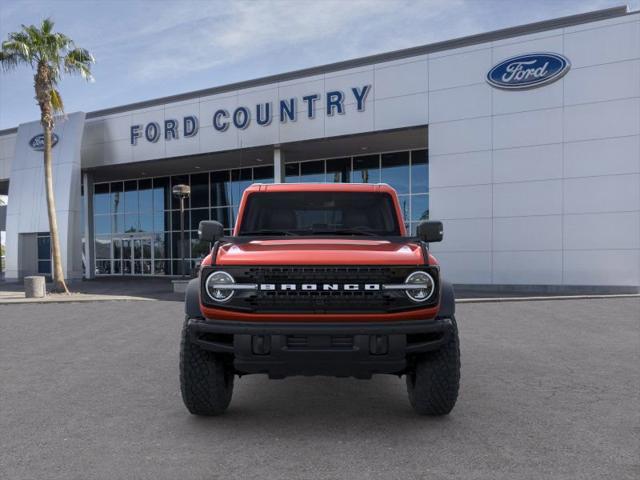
(319, 213)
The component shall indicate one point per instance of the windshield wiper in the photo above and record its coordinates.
(266, 231)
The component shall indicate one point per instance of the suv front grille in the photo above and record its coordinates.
(320, 301)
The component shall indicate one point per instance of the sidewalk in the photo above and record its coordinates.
(103, 289)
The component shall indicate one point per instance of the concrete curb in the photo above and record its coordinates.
(73, 299)
(544, 299)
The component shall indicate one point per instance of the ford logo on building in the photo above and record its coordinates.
(528, 71)
(37, 142)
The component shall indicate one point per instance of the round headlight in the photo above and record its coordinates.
(215, 286)
(425, 286)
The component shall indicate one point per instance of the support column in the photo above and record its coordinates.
(89, 254)
(278, 166)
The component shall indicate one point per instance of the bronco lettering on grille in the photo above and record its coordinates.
(326, 287)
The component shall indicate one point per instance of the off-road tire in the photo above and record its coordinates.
(434, 381)
(206, 380)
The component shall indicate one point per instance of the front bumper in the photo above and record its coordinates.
(335, 349)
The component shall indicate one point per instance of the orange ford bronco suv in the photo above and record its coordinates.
(319, 279)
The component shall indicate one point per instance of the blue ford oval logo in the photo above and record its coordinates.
(528, 71)
(37, 142)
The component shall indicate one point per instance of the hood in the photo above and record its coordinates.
(314, 251)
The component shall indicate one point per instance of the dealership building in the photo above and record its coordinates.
(524, 141)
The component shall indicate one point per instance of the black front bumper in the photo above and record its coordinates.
(334, 349)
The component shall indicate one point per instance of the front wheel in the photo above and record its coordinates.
(434, 382)
(206, 380)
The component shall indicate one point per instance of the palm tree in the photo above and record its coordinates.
(2, 204)
(50, 55)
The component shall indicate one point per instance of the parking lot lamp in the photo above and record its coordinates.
(182, 192)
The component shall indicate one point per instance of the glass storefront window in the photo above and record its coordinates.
(102, 224)
(404, 206)
(103, 247)
(222, 215)
(197, 215)
(146, 222)
(131, 223)
(312, 172)
(419, 207)
(366, 169)
(220, 189)
(145, 195)
(145, 211)
(117, 192)
(419, 171)
(175, 220)
(161, 221)
(117, 223)
(131, 203)
(395, 171)
(162, 267)
(103, 267)
(160, 242)
(101, 199)
(175, 245)
(117, 248)
(240, 180)
(200, 190)
(161, 194)
(339, 170)
(263, 174)
(292, 172)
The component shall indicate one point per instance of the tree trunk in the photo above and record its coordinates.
(59, 284)
(43, 86)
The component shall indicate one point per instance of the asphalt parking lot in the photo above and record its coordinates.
(550, 389)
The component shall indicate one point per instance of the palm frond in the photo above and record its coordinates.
(18, 48)
(56, 101)
(34, 34)
(9, 61)
(79, 61)
(47, 26)
(63, 42)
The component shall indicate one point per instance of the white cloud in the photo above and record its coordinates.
(176, 43)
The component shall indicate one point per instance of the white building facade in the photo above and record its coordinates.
(525, 142)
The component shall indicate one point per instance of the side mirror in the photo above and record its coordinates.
(430, 231)
(210, 230)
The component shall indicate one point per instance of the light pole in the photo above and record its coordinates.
(182, 192)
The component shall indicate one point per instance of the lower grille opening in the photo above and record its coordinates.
(416, 338)
(320, 341)
(345, 341)
(297, 341)
(223, 338)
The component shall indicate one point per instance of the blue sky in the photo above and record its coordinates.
(149, 49)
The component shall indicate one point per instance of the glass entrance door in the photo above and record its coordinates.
(142, 261)
(132, 256)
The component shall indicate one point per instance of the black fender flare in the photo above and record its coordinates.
(447, 301)
(192, 299)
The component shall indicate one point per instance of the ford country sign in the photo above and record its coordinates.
(37, 142)
(528, 71)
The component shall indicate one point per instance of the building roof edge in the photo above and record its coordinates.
(466, 41)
